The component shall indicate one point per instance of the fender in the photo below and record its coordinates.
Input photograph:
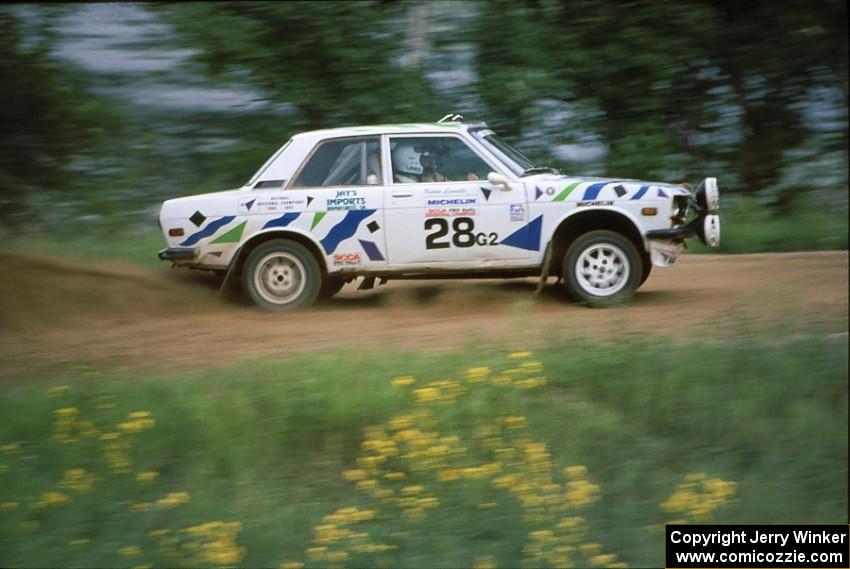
(620, 212)
(265, 234)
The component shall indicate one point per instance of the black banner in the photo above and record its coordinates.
(742, 546)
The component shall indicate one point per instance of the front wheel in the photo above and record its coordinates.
(282, 275)
(602, 268)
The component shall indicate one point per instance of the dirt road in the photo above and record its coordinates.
(54, 314)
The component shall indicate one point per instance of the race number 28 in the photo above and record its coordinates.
(462, 230)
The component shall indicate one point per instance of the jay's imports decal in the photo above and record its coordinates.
(346, 200)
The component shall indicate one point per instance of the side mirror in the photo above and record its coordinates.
(499, 180)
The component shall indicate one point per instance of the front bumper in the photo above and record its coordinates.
(665, 245)
(175, 254)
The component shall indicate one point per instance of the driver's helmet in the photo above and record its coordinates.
(406, 159)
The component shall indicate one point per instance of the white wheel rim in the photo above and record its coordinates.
(602, 269)
(280, 278)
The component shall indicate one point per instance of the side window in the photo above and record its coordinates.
(342, 162)
(435, 159)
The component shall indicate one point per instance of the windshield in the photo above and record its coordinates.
(267, 164)
(513, 158)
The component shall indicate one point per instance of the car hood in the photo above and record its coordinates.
(545, 181)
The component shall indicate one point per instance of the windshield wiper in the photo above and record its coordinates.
(540, 170)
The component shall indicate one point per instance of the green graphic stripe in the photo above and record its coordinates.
(566, 192)
(232, 236)
(317, 218)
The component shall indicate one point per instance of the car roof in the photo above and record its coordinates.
(406, 128)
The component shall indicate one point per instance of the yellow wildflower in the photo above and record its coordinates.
(174, 499)
(402, 380)
(477, 374)
(575, 471)
(147, 476)
(66, 411)
(291, 565)
(140, 507)
(519, 355)
(602, 560)
(531, 383)
(52, 499)
(427, 394)
(130, 551)
(11, 448)
(8, 506)
(487, 562)
(58, 390)
(354, 475)
(395, 476)
(501, 380)
(78, 480)
(517, 422)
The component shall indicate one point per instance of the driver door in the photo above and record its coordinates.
(446, 211)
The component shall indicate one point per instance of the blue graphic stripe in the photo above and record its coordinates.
(282, 221)
(640, 193)
(344, 229)
(207, 231)
(593, 190)
(372, 250)
(661, 193)
(526, 237)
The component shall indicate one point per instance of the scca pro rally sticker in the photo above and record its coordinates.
(347, 259)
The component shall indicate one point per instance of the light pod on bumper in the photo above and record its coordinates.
(708, 195)
(709, 230)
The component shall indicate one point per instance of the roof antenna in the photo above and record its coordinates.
(451, 117)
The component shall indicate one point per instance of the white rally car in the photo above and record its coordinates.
(446, 199)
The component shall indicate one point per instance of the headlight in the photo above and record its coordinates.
(708, 195)
(709, 230)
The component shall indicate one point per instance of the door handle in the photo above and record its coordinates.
(401, 195)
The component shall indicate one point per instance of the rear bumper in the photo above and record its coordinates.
(175, 254)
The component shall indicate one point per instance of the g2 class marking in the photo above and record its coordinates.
(462, 236)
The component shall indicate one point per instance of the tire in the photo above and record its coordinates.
(647, 268)
(282, 275)
(330, 286)
(602, 268)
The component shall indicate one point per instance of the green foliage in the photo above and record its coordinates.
(669, 78)
(267, 444)
(47, 115)
(335, 61)
(749, 226)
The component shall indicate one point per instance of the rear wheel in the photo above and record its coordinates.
(282, 275)
(602, 268)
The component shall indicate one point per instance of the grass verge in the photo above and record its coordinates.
(572, 456)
